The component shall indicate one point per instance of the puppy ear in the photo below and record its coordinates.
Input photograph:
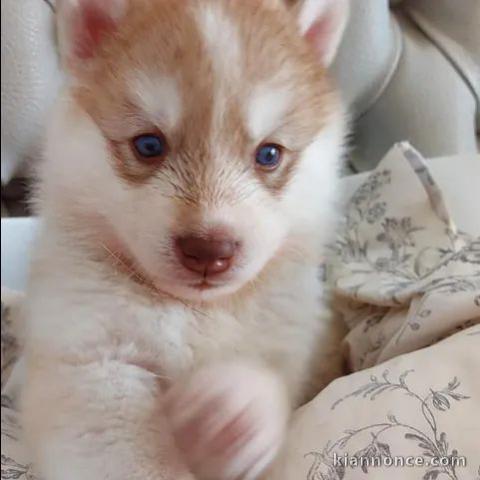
(323, 22)
(82, 25)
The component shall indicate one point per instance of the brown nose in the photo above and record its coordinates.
(206, 256)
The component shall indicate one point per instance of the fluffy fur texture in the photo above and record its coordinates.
(137, 368)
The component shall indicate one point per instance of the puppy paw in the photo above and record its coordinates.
(229, 420)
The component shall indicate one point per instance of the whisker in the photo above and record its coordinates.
(156, 292)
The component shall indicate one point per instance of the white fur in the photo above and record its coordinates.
(266, 108)
(221, 38)
(312, 192)
(116, 372)
(160, 99)
(224, 48)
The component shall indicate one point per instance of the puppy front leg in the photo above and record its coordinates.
(98, 421)
(229, 420)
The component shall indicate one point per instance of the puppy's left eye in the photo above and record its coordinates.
(268, 156)
(150, 147)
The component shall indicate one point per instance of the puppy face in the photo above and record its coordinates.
(201, 137)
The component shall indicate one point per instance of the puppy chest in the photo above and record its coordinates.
(182, 341)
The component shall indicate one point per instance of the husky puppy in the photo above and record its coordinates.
(187, 191)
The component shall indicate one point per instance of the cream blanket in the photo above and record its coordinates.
(407, 283)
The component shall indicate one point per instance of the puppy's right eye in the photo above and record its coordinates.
(150, 147)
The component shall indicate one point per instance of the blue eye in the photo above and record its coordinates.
(150, 146)
(268, 156)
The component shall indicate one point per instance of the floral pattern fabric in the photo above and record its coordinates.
(15, 464)
(422, 408)
(403, 275)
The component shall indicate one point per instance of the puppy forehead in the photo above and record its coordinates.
(228, 56)
(221, 36)
(208, 60)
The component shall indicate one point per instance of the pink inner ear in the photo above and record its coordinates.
(93, 24)
(320, 35)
